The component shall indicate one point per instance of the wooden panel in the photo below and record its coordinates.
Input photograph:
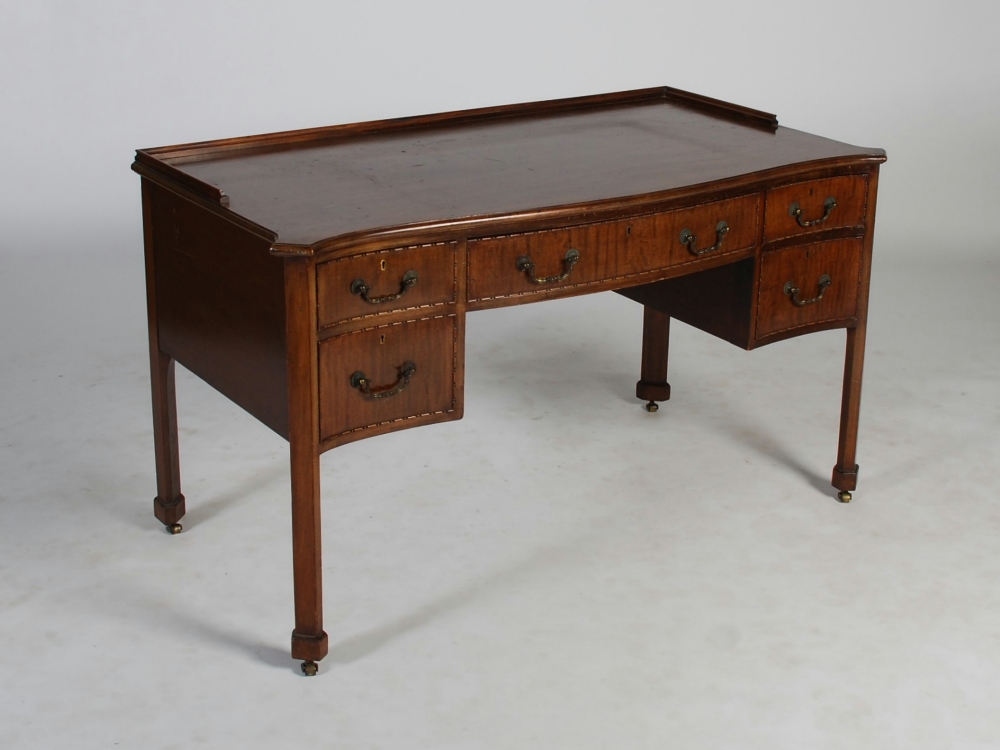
(221, 305)
(718, 300)
(379, 352)
(803, 266)
(614, 250)
(383, 272)
(849, 192)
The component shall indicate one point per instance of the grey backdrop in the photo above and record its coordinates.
(559, 569)
(85, 83)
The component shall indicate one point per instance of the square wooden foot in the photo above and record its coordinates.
(170, 512)
(845, 481)
(310, 647)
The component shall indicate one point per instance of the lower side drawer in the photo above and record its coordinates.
(388, 373)
(808, 284)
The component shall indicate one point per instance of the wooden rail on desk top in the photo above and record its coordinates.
(163, 158)
(201, 150)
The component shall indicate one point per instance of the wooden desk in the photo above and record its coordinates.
(320, 278)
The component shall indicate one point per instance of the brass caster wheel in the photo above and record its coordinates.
(310, 668)
(651, 407)
(844, 496)
(174, 528)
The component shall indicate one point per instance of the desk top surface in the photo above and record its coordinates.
(313, 186)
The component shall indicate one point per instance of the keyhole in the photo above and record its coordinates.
(383, 265)
(381, 339)
(628, 230)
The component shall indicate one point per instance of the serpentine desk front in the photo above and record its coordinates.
(320, 278)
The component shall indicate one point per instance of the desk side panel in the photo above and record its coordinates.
(220, 305)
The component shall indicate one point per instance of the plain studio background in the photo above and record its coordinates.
(559, 569)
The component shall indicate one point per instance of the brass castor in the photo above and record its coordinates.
(174, 528)
(651, 407)
(310, 668)
(844, 496)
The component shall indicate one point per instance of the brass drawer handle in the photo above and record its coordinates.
(359, 287)
(360, 381)
(690, 239)
(525, 264)
(828, 205)
(793, 291)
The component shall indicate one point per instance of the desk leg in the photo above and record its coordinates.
(653, 385)
(845, 473)
(309, 641)
(169, 503)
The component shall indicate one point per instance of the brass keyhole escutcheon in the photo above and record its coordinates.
(382, 265)
(381, 339)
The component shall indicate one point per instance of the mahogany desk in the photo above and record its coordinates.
(320, 278)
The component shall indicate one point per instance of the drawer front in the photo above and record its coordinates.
(540, 261)
(808, 284)
(401, 279)
(364, 378)
(815, 205)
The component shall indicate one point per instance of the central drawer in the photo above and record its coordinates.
(538, 262)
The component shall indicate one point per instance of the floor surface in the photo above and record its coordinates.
(559, 569)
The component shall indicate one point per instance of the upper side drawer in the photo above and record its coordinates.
(813, 205)
(385, 280)
(538, 262)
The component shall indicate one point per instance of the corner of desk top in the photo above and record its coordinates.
(149, 164)
(728, 110)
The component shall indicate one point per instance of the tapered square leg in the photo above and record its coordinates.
(309, 641)
(845, 473)
(653, 385)
(168, 506)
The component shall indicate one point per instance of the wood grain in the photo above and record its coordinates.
(221, 305)
(379, 352)
(845, 472)
(716, 300)
(611, 250)
(524, 159)
(309, 640)
(850, 193)
(653, 385)
(169, 505)
(803, 265)
(383, 271)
